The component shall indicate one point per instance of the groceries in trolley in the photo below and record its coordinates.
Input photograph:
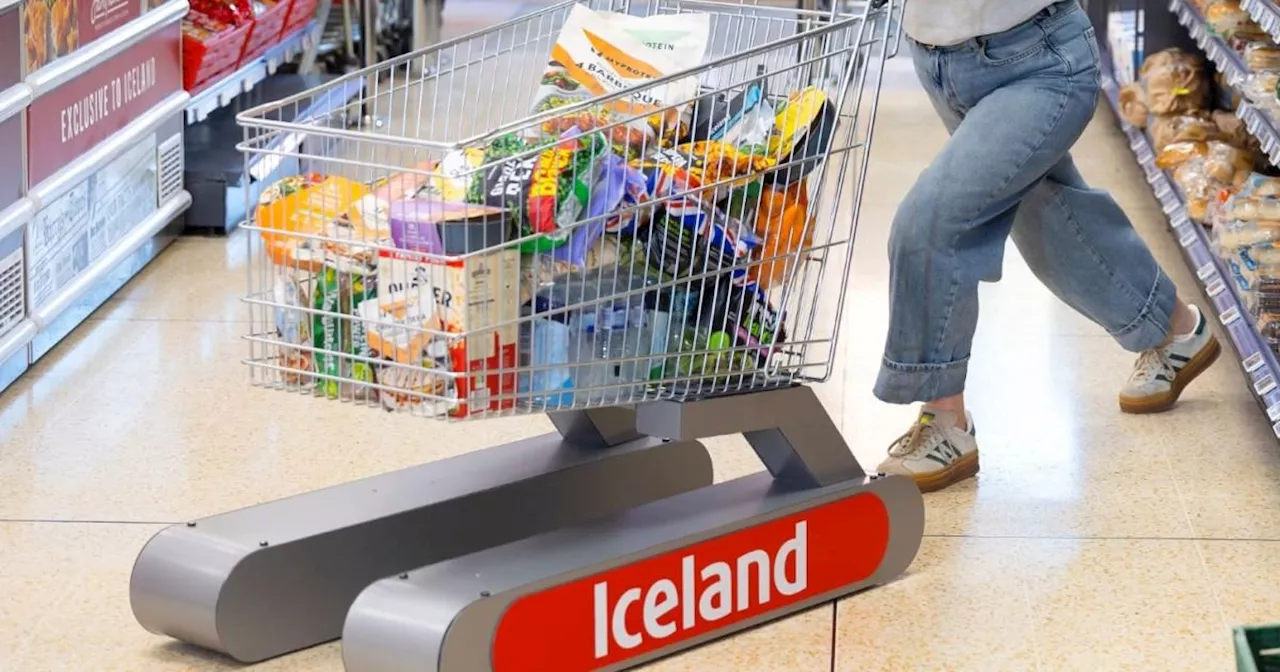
(568, 263)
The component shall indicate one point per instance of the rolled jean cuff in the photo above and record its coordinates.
(908, 383)
(1153, 325)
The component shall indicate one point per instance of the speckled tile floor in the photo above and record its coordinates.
(1091, 540)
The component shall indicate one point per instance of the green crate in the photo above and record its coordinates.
(1257, 648)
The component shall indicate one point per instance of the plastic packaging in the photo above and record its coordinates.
(1262, 55)
(1133, 104)
(599, 53)
(1178, 153)
(1176, 82)
(1223, 162)
(1227, 19)
(1192, 127)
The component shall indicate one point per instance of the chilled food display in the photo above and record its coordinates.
(614, 246)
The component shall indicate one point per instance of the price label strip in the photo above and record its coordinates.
(1213, 289)
(1264, 385)
(1230, 315)
(1205, 271)
(1273, 412)
(1253, 363)
(1187, 239)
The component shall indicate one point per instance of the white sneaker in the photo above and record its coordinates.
(1160, 374)
(935, 453)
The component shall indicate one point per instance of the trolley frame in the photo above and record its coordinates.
(612, 521)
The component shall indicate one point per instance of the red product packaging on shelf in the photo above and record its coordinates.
(475, 297)
(268, 29)
(210, 49)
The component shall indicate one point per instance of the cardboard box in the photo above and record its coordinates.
(475, 297)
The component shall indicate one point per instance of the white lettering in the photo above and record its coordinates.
(625, 639)
(720, 591)
(688, 589)
(85, 113)
(658, 602)
(761, 561)
(797, 548)
(704, 595)
(602, 619)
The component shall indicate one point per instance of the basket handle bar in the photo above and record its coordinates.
(247, 119)
(364, 72)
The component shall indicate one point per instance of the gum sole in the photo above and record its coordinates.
(1159, 403)
(965, 467)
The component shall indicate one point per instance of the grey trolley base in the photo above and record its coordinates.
(449, 566)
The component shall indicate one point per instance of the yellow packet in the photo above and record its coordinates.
(793, 122)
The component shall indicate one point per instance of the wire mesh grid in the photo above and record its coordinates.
(567, 212)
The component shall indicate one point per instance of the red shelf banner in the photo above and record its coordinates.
(72, 119)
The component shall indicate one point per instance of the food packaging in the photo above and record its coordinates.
(1231, 129)
(1133, 104)
(600, 53)
(1223, 162)
(1193, 127)
(1237, 234)
(453, 176)
(268, 21)
(1262, 55)
(1253, 208)
(1261, 185)
(338, 296)
(782, 221)
(477, 298)
(1228, 20)
(293, 328)
(744, 312)
(442, 227)
(802, 133)
(1179, 153)
(1175, 82)
(309, 208)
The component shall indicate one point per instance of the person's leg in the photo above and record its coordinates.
(1025, 96)
(1081, 245)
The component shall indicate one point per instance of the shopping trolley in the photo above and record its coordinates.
(651, 261)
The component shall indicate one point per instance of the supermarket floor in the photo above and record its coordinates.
(1090, 541)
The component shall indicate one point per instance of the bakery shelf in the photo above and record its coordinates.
(249, 76)
(1229, 63)
(1221, 295)
(1266, 13)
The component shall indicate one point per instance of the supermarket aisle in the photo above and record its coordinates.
(1091, 541)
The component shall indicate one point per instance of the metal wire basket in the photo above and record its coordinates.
(680, 234)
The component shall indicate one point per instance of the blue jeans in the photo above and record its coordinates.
(1014, 103)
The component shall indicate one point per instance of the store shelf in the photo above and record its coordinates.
(222, 93)
(1266, 14)
(1233, 68)
(1222, 297)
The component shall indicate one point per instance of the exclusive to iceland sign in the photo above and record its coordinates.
(77, 116)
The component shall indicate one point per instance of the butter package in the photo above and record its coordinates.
(457, 315)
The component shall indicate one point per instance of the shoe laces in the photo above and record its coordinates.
(921, 438)
(1150, 364)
